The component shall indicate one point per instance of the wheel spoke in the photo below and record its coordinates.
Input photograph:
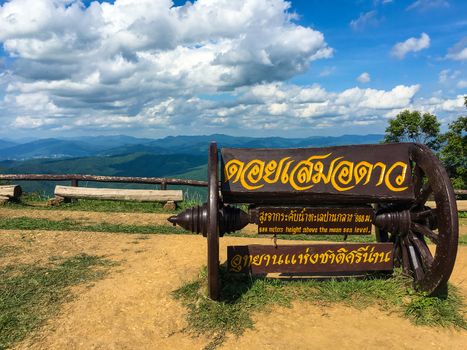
(405, 258)
(423, 196)
(423, 251)
(414, 260)
(381, 235)
(417, 180)
(425, 231)
(397, 255)
(422, 214)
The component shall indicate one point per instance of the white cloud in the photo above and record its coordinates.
(211, 66)
(447, 75)
(327, 71)
(276, 107)
(365, 19)
(461, 84)
(459, 51)
(411, 45)
(123, 57)
(424, 5)
(364, 78)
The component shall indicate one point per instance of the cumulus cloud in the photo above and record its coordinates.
(411, 45)
(129, 55)
(459, 51)
(364, 78)
(365, 19)
(210, 66)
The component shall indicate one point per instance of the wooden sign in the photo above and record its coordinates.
(314, 221)
(311, 258)
(352, 173)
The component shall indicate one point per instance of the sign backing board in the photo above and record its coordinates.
(301, 175)
(310, 258)
(314, 221)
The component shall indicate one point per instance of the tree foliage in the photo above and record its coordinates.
(412, 126)
(454, 152)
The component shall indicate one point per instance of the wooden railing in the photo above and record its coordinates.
(162, 181)
(75, 178)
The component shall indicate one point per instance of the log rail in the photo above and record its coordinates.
(163, 182)
(75, 178)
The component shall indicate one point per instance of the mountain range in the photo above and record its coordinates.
(121, 144)
(173, 157)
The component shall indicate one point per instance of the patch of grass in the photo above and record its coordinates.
(243, 295)
(93, 205)
(431, 311)
(26, 223)
(113, 206)
(31, 294)
(7, 250)
(34, 197)
(38, 201)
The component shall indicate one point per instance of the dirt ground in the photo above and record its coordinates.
(88, 217)
(132, 308)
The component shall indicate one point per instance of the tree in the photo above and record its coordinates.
(412, 126)
(454, 152)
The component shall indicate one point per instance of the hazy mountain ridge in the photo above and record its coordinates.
(176, 157)
(6, 144)
(121, 144)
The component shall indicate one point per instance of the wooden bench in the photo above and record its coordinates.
(66, 193)
(9, 193)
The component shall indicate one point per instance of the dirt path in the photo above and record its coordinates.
(133, 309)
(88, 217)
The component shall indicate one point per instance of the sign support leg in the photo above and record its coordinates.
(213, 227)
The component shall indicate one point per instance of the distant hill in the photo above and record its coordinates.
(69, 147)
(50, 148)
(121, 144)
(135, 164)
(6, 144)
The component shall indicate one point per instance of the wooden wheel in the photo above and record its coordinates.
(212, 224)
(425, 238)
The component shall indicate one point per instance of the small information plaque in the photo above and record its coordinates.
(310, 258)
(315, 221)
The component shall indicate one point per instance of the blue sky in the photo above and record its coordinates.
(252, 67)
(367, 46)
